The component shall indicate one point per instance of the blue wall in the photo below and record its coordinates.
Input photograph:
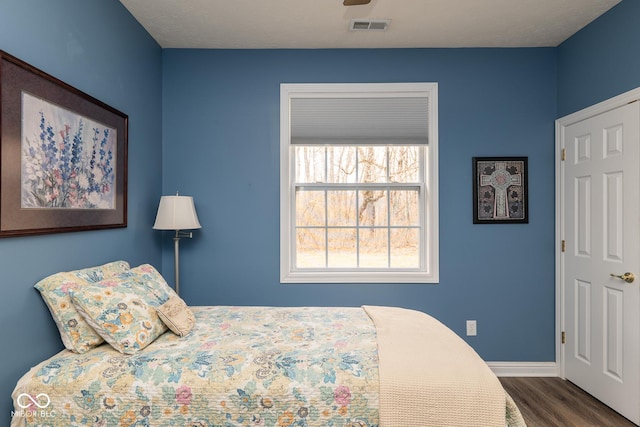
(601, 61)
(100, 49)
(220, 133)
(221, 145)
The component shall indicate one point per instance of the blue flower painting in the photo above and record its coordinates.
(68, 161)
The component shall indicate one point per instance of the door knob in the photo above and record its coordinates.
(627, 277)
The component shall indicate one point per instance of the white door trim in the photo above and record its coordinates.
(562, 123)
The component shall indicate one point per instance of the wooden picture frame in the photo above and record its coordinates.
(63, 156)
(500, 190)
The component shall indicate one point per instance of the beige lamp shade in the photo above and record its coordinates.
(176, 213)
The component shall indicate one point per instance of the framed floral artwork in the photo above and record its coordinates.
(63, 155)
(500, 192)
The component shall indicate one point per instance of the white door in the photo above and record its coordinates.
(602, 234)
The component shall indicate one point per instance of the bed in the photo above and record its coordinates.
(247, 366)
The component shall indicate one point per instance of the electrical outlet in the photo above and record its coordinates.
(472, 329)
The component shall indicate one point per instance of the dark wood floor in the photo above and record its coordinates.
(551, 402)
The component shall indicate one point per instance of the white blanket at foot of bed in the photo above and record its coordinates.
(430, 377)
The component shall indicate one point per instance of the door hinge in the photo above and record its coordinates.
(564, 245)
(563, 154)
(564, 337)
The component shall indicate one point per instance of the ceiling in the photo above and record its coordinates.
(269, 24)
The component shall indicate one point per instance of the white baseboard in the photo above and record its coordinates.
(524, 369)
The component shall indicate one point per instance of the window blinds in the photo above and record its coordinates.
(359, 121)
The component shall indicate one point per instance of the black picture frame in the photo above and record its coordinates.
(500, 190)
(63, 155)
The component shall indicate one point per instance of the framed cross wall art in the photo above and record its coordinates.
(500, 193)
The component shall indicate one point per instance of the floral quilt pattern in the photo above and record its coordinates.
(248, 366)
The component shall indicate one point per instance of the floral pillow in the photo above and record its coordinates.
(177, 316)
(122, 309)
(77, 335)
(148, 278)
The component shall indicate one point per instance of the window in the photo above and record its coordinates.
(359, 183)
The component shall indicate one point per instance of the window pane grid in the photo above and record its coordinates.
(345, 227)
(352, 239)
(341, 164)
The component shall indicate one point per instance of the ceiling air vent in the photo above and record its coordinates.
(369, 24)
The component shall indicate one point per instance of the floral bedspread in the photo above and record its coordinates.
(248, 366)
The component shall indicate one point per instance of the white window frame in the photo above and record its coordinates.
(429, 270)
